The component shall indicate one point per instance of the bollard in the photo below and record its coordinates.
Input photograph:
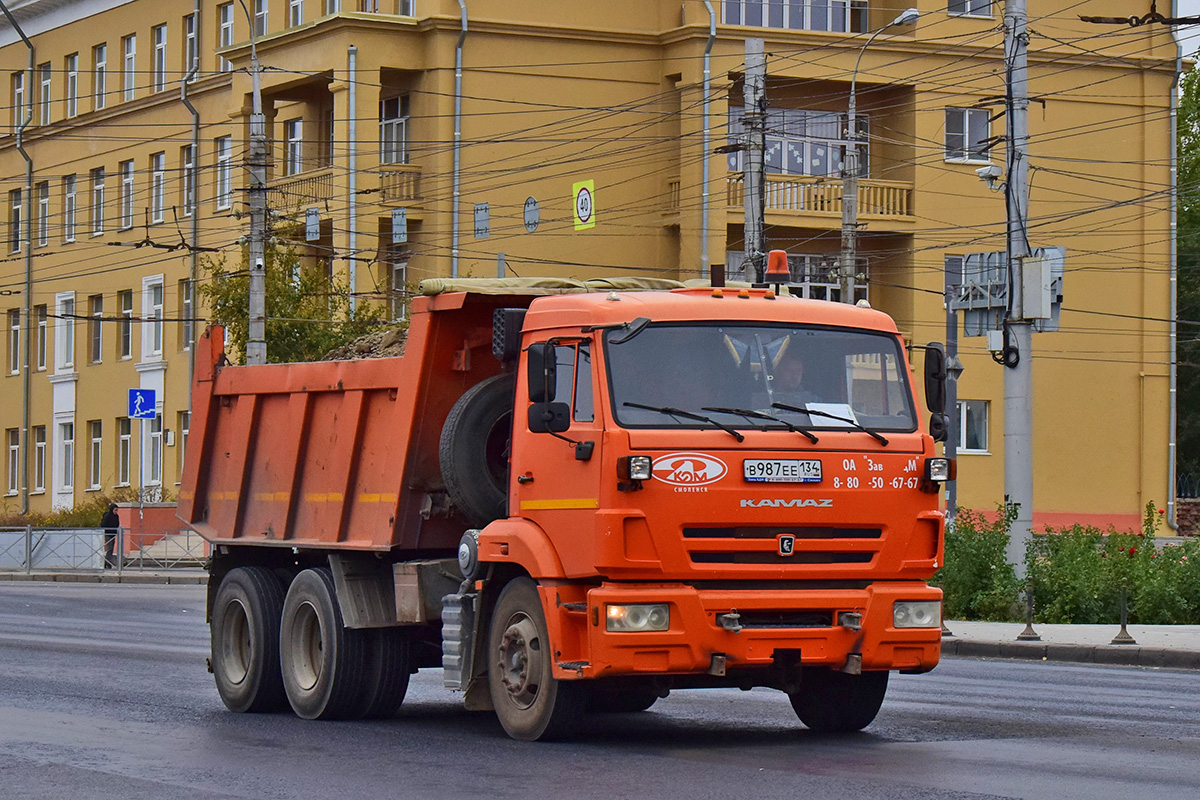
(1123, 636)
(1029, 634)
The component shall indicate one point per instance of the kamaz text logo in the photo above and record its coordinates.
(796, 502)
(689, 469)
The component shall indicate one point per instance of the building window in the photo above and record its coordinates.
(99, 76)
(43, 319)
(333, 6)
(295, 13)
(158, 186)
(129, 66)
(96, 440)
(224, 193)
(970, 8)
(187, 161)
(187, 306)
(225, 33)
(124, 449)
(66, 435)
(12, 438)
(803, 142)
(96, 328)
(260, 17)
(125, 326)
(14, 220)
(154, 450)
(967, 132)
(407, 8)
(185, 424)
(71, 67)
(14, 341)
(815, 276)
(18, 100)
(97, 210)
(191, 55)
(293, 157)
(64, 334)
(125, 201)
(43, 213)
(152, 313)
(973, 426)
(68, 189)
(810, 15)
(44, 81)
(393, 130)
(39, 458)
(158, 68)
(398, 286)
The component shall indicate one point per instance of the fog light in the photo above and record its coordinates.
(917, 614)
(634, 468)
(637, 618)
(938, 469)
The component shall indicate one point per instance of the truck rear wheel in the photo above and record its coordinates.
(245, 640)
(326, 666)
(474, 449)
(529, 702)
(837, 702)
(390, 661)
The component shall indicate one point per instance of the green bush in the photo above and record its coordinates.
(977, 579)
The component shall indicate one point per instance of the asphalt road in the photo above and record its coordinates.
(104, 694)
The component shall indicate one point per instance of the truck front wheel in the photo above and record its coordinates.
(529, 702)
(327, 671)
(245, 640)
(837, 702)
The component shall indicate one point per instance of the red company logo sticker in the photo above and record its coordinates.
(689, 472)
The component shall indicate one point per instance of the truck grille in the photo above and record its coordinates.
(786, 619)
(750, 545)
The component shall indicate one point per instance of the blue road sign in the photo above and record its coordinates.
(142, 403)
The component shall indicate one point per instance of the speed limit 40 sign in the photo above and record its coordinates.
(585, 204)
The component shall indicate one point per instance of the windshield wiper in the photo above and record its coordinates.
(679, 412)
(847, 420)
(750, 414)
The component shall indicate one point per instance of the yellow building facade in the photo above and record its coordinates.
(423, 138)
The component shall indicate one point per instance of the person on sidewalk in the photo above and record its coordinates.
(110, 522)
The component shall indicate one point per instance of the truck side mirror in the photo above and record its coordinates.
(543, 372)
(939, 427)
(935, 377)
(549, 417)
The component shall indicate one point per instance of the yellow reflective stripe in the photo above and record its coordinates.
(279, 497)
(325, 497)
(377, 497)
(583, 502)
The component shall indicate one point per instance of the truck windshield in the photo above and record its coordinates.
(776, 373)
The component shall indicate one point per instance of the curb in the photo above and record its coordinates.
(156, 578)
(1110, 654)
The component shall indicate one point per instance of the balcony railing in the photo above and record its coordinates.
(399, 184)
(310, 187)
(805, 194)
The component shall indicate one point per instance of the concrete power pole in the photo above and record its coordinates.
(754, 153)
(256, 344)
(1018, 350)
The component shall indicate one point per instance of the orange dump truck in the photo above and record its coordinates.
(575, 498)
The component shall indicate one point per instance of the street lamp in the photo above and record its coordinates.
(850, 167)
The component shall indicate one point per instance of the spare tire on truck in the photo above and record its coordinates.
(475, 449)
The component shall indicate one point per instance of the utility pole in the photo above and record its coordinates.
(1018, 329)
(256, 344)
(755, 150)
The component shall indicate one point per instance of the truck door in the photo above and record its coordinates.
(557, 475)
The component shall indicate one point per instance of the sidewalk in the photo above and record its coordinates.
(161, 576)
(1168, 646)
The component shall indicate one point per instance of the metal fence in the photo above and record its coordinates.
(1187, 485)
(59, 549)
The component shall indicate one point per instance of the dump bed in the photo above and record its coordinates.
(335, 454)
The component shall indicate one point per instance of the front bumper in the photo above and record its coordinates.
(799, 626)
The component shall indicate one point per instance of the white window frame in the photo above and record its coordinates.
(295, 13)
(158, 67)
(261, 20)
(97, 209)
(397, 281)
(834, 16)
(125, 331)
(152, 317)
(66, 456)
(12, 438)
(14, 341)
(187, 160)
(187, 310)
(16, 202)
(154, 450)
(124, 450)
(100, 76)
(96, 329)
(185, 424)
(64, 332)
(69, 184)
(406, 8)
(393, 130)
(966, 121)
(191, 50)
(43, 213)
(45, 92)
(43, 335)
(18, 99)
(129, 66)
(970, 8)
(333, 7)
(224, 175)
(71, 65)
(158, 187)
(963, 416)
(95, 452)
(224, 34)
(293, 155)
(39, 458)
(125, 204)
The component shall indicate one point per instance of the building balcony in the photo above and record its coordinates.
(808, 200)
(302, 189)
(400, 185)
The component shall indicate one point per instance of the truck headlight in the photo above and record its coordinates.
(917, 614)
(638, 618)
(633, 468)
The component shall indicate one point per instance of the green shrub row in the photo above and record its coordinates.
(1076, 574)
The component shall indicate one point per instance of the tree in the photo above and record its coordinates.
(308, 312)
(1188, 293)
